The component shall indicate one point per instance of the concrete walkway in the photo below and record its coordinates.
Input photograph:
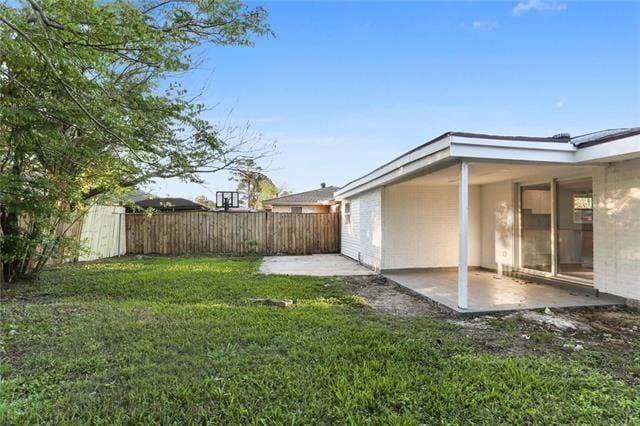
(314, 265)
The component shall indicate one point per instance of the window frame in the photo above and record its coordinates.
(347, 213)
(580, 214)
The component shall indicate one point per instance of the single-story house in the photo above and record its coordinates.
(563, 209)
(315, 201)
(169, 204)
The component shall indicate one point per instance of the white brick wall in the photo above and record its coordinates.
(420, 228)
(617, 229)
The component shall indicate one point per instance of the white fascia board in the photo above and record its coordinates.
(512, 154)
(546, 146)
(450, 147)
(394, 165)
(405, 171)
(617, 150)
(493, 149)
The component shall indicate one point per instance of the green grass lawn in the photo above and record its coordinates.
(177, 341)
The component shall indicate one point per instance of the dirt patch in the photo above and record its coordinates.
(607, 338)
(390, 299)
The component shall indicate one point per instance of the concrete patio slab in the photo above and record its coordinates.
(490, 292)
(313, 265)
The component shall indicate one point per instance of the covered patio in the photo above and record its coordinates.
(456, 218)
(491, 292)
(455, 235)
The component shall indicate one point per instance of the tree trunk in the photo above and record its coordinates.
(10, 223)
(11, 234)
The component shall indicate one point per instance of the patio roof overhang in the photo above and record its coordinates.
(453, 147)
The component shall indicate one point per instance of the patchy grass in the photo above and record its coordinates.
(176, 341)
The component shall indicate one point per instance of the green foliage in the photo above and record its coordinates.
(253, 184)
(252, 245)
(89, 107)
(177, 341)
(201, 199)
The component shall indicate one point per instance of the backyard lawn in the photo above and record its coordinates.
(178, 341)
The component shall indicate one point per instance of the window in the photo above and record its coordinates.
(574, 218)
(296, 209)
(347, 213)
(583, 208)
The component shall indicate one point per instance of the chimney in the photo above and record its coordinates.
(323, 185)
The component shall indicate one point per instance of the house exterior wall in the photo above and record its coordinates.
(371, 228)
(362, 237)
(617, 230)
(498, 216)
(420, 228)
(350, 232)
(305, 209)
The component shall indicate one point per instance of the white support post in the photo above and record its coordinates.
(463, 242)
(554, 228)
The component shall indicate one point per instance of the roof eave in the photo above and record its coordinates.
(455, 146)
(611, 138)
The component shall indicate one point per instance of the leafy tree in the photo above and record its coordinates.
(267, 189)
(201, 199)
(89, 106)
(253, 184)
(283, 190)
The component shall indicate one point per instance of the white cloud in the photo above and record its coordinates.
(484, 25)
(559, 104)
(538, 6)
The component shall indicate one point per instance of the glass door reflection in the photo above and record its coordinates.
(574, 201)
(535, 213)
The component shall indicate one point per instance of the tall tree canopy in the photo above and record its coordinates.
(253, 184)
(89, 106)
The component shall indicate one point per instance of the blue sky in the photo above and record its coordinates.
(344, 87)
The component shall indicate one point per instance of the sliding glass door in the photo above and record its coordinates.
(556, 228)
(575, 228)
(535, 213)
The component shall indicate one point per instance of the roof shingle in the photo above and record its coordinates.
(319, 196)
(170, 203)
(595, 138)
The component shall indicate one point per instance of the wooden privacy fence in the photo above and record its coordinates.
(233, 233)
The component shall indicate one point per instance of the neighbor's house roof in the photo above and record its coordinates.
(321, 196)
(452, 147)
(169, 204)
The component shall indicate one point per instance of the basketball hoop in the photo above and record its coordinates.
(227, 199)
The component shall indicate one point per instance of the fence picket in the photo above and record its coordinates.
(234, 233)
